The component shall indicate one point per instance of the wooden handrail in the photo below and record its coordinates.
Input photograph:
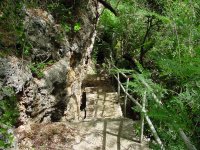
(185, 139)
(125, 100)
(142, 116)
(145, 114)
(143, 82)
(124, 75)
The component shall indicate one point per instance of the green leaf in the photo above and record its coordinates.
(77, 27)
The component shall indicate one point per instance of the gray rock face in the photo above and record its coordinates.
(43, 34)
(42, 95)
(14, 73)
(46, 99)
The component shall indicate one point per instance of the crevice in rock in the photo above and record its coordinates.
(87, 60)
(75, 59)
(59, 111)
(83, 104)
(83, 101)
(60, 96)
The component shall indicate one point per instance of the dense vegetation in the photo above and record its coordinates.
(160, 41)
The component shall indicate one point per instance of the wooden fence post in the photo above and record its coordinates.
(153, 130)
(109, 67)
(142, 116)
(155, 134)
(125, 100)
(118, 91)
(186, 140)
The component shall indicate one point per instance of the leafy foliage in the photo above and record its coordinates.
(8, 116)
(77, 27)
(164, 37)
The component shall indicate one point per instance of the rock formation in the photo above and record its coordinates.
(56, 95)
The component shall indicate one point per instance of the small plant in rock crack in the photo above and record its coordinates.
(26, 50)
(37, 68)
(77, 27)
(67, 27)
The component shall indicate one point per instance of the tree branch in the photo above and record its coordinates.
(108, 6)
(143, 51)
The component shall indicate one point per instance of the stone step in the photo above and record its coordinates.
(100, 134)
(100, 104)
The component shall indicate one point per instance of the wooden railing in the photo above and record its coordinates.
(143, 111)
(142, 107)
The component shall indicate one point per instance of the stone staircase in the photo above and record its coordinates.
(108, 130)
(102, 126)
(101, 99)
